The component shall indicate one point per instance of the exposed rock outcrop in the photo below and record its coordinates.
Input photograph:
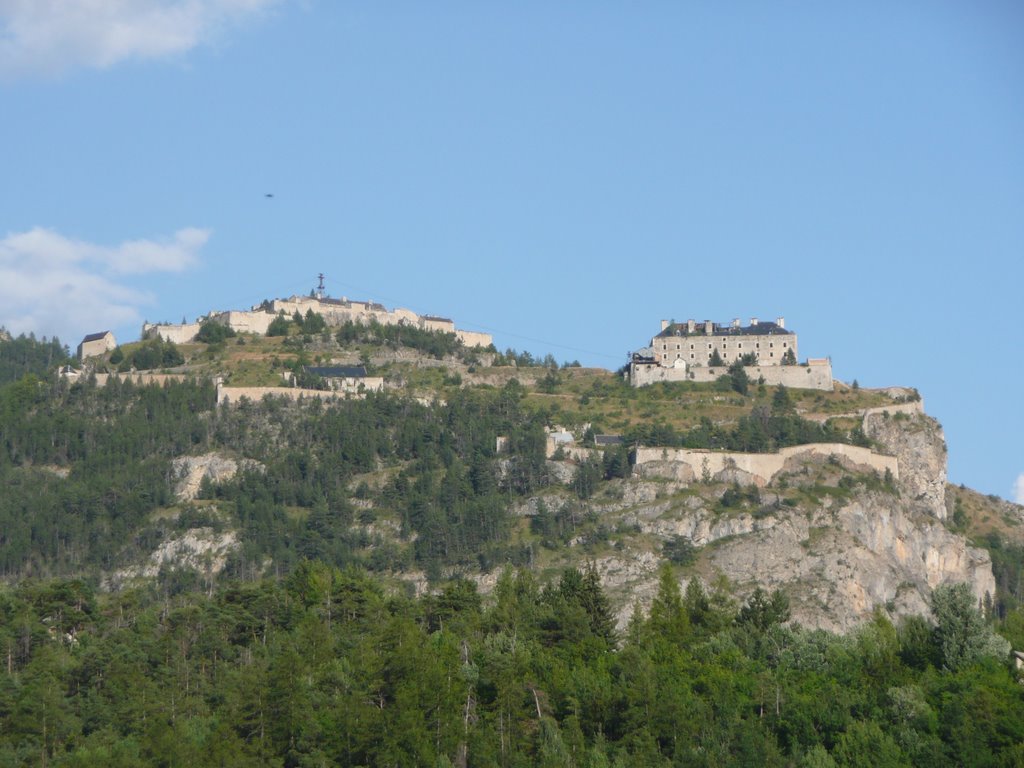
(204, 550)
(841, 562)
(919, 445)
(190, 471)
(873, 542)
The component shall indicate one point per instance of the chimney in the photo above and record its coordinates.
(780, 321)
(709, 327)
(691, 326)
(753, 322)
(664, 324)
(735, 322)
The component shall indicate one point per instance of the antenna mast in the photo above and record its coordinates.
(320, 287)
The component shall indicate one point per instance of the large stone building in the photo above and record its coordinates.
(695, 343)
(96, 344)
(702, 352)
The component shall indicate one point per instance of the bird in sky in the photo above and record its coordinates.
(269, 194)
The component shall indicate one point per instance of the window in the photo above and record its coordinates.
(771, 344)
(691, 347)
(691, 355)
(740, 345)
(783, 343)
(771, 354)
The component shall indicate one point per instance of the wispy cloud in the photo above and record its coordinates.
(53, 285)
(1018, 489)
(52, 36)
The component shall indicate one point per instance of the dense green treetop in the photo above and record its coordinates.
(22, 355)
(325, 668)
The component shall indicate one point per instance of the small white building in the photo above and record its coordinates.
(96, 344)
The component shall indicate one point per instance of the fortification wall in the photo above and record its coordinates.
(913, 407)
(474, 339)
(244, 322)
(762, 467)
(335, 314)
(179, 333)
(813, 375)
(258, 320)
(235, 394)
(142, 379)
(437, 324)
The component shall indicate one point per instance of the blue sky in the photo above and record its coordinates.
(561, 175)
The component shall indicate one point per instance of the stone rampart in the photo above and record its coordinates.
(227, 395)
(913, 407)
(334, 313)
(815, 374)
(141, 379)
(474, 339)
(244, 322)
(760, 467)
(178, 333)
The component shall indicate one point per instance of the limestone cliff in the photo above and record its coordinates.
(919, 445)
(840, 539)
(190, 471)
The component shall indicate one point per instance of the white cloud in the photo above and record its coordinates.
(53, 285)
(52, 36)
(1018, 489)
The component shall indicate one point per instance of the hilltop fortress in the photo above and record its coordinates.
(335, 312)
(693, 351)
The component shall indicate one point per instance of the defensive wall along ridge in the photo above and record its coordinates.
(141, 379)
(335, 312)
(226, 395)
(815, 374)
(761, 467)
(912, 408)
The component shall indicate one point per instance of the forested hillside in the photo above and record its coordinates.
(323, 668)
(86, 465)
(347, 627)
(23, 355)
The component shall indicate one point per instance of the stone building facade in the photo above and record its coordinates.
(687, 352)
(695, 343)
(96, 344)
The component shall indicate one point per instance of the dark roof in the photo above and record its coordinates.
(763, 328)
(437, 318)
(349, 303)
(94, 336)
(337, 371)
(608, 440)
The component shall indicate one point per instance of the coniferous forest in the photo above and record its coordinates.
(300, 652)
(320, 667)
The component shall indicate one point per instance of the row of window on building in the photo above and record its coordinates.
(739, 345)
(725, 355)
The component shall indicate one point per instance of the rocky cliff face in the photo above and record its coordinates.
(918, 443)
(190, 471)
(840, 538)
(841, 543)
(202, 549)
